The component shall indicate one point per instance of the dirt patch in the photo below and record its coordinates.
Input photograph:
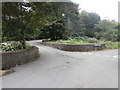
(5, 72)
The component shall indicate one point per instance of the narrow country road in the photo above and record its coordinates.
(61, 69)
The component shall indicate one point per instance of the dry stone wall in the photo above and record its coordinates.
(13, 58)
(76, 47)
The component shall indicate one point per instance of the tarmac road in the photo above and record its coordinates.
(61, 69)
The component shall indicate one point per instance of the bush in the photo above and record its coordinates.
(85, 38)
(78, 40)
(111, 45)
(92, 40)
(13, 46)
(28, 46)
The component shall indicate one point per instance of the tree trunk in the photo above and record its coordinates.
(24, 40)
(24, 44)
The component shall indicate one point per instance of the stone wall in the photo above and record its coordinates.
(13, 58)
(76, 47)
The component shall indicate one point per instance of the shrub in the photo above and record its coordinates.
(28, 45)
(92, 40)
(13, 46)
(111, 45)
(84, 38)
(77, 40)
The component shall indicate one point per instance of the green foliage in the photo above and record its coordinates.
(88, 21)
(107, 30)
(83, 38)
(54, 31)
(72, 40)
(118, 32)
(13, 46)
(111, 45)
(26, 21)
(58, 28)
(92, 40)
(16, 21)
(28, 46)
(79, 40)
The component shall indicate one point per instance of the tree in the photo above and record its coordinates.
(119, 31)
(16, 21)
(107, 30)
(88, 21)
(25, 21)
(57, 27)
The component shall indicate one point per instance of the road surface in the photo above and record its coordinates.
(61, 69)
